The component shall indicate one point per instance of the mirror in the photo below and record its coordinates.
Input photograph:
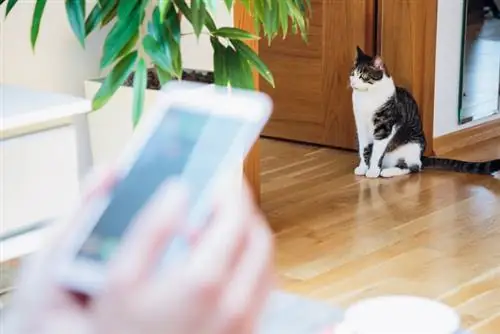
(480, 79)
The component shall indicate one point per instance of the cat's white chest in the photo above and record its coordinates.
(366, 103)
(364, 109)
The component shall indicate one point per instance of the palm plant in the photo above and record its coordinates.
(148, 32)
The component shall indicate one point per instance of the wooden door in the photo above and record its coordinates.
(312, 97)
(407, 43)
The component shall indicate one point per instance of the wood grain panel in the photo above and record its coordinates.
(467, 137)
(296, 66)
(345, 25)
(312, 98)
(243, 20)
(407, 43)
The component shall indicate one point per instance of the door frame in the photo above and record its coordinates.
(242, 20)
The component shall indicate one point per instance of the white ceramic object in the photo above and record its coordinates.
(399, 315)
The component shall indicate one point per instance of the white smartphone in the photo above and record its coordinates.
(196, 133)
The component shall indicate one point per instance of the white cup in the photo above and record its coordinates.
(399, 315)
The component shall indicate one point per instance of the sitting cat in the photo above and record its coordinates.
(390, 134)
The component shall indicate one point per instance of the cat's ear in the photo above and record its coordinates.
(378, 63)
(359, 53)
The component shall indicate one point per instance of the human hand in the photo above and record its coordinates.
(220, 289)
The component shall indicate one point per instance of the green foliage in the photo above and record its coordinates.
(75, 10)
(37, 17)
(148, 31)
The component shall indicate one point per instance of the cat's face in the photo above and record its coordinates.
(367, 72)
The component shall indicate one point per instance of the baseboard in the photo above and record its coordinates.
(466, 137)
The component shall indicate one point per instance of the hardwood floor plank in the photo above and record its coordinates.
(342, 238)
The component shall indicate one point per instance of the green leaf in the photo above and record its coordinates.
(164, 6)
(184, 9)
(140, 81)
(114, 80)
(109, 10)
(158, 27)
(229, 4)
(125, 8)
(163, 76)
(270, 21)
(198, 11)
(297, 19)
(258, 14)
(93, 19)
(236, 33)
(1, 2)
(37, 18)
(238, 70)
(172, 39)
(173, 25)
(254, 60)
(188, 14)
(154, 50)
(283, 13)
(129, 46)
(167, 35)
(120, 35)
(10, 6)
(308, 6)
(210, 23)
(75, 10)
(220, 73)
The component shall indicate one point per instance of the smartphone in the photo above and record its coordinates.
(196, 133)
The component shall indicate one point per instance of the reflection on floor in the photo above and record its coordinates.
(341, 238)
(481, 71)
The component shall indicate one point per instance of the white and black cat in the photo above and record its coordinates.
(390, 134)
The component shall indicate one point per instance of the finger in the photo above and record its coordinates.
(146, 241)
(213, 259)
(251, 283)
(199, 281)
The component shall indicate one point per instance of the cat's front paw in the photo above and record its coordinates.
(361, 170)
(373, 173)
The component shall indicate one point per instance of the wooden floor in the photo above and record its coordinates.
(341, 237)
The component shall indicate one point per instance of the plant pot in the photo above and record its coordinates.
(110, 128)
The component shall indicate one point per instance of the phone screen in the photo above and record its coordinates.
(185, 143)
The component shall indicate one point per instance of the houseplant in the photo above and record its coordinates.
(148, 31)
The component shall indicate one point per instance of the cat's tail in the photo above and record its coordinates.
(484, 168)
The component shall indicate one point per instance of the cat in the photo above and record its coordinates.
(390, 133)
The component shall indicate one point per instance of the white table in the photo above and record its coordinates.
(44, 153)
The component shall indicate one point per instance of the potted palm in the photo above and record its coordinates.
(142, 52)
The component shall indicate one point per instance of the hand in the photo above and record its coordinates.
(220, 289)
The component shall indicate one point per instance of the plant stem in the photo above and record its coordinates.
(192, 33)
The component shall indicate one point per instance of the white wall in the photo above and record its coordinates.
(447, 82)
(59, 64)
